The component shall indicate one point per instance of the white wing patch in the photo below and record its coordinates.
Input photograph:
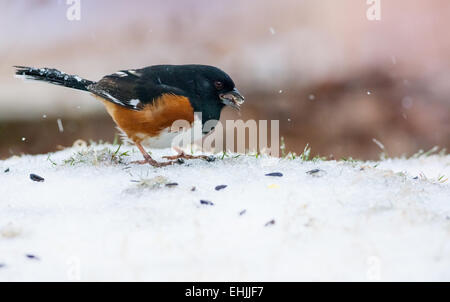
(111, 98)
(121, 74)
(135, 103)
(126, 73)
(134, 72)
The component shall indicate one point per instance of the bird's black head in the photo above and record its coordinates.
(209, 89)
(216, 86)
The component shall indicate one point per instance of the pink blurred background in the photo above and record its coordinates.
(333, 78)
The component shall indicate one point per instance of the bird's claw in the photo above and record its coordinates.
(182, 156)
(153, 163)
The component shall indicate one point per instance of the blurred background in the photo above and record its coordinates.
(334, 79)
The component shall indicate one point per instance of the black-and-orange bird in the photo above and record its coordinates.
(144, 103)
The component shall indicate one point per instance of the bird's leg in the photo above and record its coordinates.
(148, 159)
(182, 155)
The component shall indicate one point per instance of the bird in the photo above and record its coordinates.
(145, 102)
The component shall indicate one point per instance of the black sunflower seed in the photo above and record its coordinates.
(171, 185)
(272, 222)
(37, 178)
(317, 173)
(206, 202)
(275, 174)
(313, 171)
(242, 212)
(221, 187)
(7, 170)
(32, 257)
(210, 158)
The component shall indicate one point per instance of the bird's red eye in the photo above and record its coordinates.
(218, 85)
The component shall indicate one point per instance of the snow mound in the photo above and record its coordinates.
(97, 217)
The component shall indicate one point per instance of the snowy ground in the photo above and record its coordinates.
(350, 221)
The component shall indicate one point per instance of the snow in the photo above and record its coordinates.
(97, 219)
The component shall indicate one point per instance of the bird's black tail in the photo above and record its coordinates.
(52, 76)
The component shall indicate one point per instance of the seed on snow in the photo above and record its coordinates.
(36, 178)
(206, 202)
(32, 257)
(272, 222)
(275, 174)
(221, 187)
(273, 186)
(316, 173)
(171, 185)
(210, 158)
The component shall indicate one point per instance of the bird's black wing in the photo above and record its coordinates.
(132, 89)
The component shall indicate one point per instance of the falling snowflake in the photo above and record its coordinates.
(60, 125)
(407, 102)
(394, 60)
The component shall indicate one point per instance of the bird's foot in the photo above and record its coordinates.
(183, 156)
(154, 163)
(149, 160)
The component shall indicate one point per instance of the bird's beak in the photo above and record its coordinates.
(233, 99)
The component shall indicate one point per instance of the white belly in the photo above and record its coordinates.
(164, 140)
(180, 139)
(169, 139)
